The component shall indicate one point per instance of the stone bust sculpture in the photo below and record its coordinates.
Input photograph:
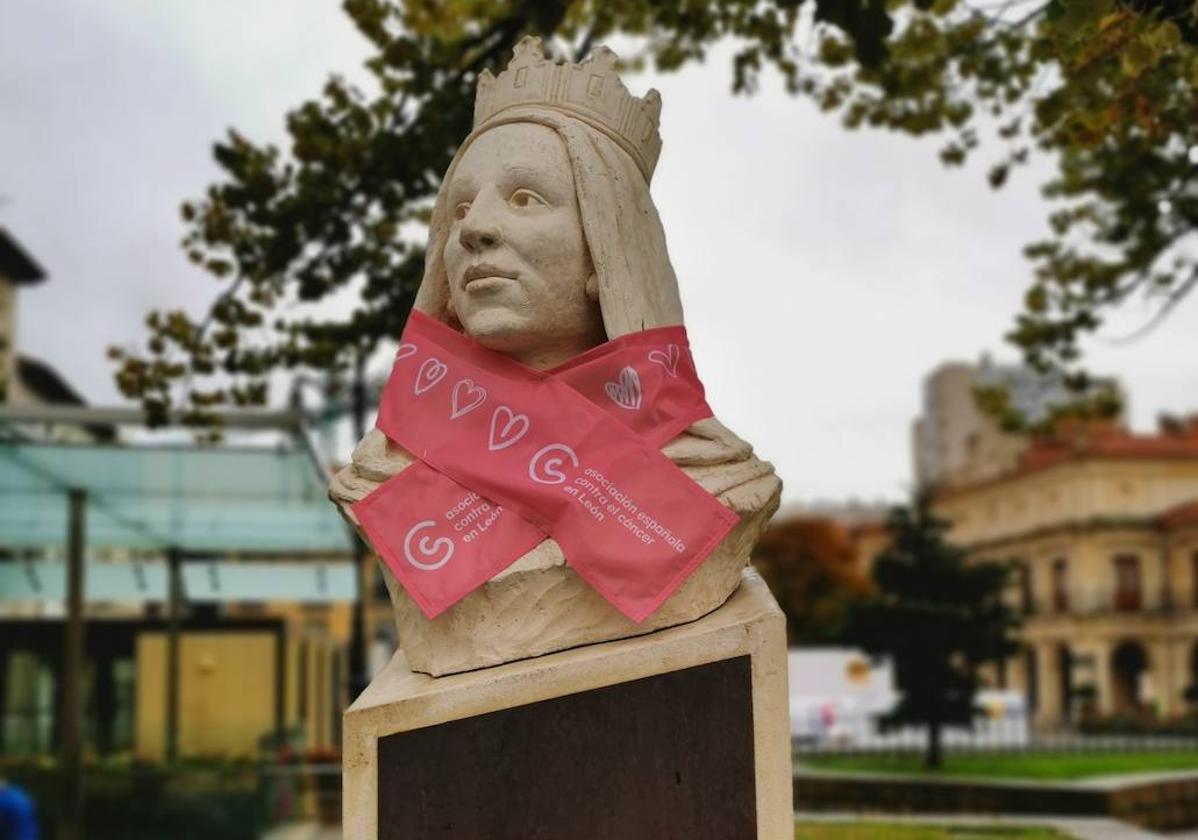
(544, 242)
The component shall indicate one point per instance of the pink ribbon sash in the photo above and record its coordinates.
(508, 455)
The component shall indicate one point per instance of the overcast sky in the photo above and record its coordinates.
(823, 273)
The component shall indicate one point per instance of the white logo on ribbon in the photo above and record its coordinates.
(431, 372)
(668, 359)
(549, 466)
(404, 351)
(427, 547)
(514, 428)
(466, 397)
(626, 393)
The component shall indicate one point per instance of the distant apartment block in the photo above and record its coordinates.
(954, 442)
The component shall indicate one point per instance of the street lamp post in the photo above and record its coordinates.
(71, 820)
(359, 678)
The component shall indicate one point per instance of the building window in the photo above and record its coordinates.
(336, 703)
(1031, 679)
(318, 696)
(29, 693)
(1060, 585)
(1065, 665)
(1024, 573)
(302, 683)
(381, 594)
(1194, 577)
(1127, 582)
(124, 699)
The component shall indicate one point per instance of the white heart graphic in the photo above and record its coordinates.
(466, 397)
(506, 436)
(431, 372)
(627, 392)
(668, 359)
(404, 351)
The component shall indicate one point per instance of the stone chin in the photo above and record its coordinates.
(501, 328)
(516, 333)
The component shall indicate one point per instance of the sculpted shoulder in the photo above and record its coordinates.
(375, 459)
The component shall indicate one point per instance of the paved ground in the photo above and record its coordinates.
(1108, 782)
(303, 831)
(1079, 828)
(1088, 828)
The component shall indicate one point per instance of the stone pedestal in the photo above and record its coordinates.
(682, 733)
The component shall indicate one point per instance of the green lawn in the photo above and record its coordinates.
(1058, 766)
(891, 831)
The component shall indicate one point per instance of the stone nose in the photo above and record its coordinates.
(480, 229)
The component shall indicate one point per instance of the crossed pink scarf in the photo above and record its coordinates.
(508, 456)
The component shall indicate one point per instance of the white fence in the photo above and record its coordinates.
(837, 698)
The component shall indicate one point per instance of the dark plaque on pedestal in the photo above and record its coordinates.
(667, 757)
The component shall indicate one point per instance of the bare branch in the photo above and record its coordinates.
(584, 46)
(1175, 297)
(1030, 16)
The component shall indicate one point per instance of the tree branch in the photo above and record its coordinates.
(1030, 16)
(1175, 297)
(588, 40)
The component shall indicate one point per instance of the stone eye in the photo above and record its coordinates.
(526, 198)
(461, 210)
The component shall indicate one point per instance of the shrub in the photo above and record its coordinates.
(150, 802)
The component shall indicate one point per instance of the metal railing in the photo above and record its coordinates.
(302, 792)
(1106, 601)
(998, 737)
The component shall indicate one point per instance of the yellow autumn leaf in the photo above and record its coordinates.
(1136, 58)
(1162, 38)
(1110, 19)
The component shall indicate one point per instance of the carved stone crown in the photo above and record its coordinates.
(590, 91)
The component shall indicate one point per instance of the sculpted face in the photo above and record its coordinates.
(516, 257)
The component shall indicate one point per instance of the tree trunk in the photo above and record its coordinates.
(935, 755)
(359, 675)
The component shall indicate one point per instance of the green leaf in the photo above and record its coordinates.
(1136, 57)
(1036, 299)
(867, 21)
(1078, 15)
(1162, 38)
